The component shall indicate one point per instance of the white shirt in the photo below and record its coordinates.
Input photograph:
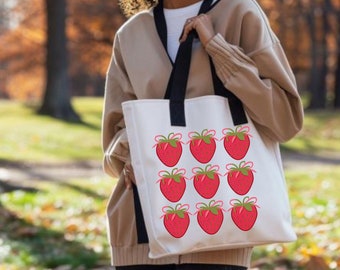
(175, 20)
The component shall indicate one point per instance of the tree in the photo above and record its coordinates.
(57, 98)
(307, 29)
(337, 71)
(90, 29)
(318, 55)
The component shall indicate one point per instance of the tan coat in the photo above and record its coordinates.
(250, 62)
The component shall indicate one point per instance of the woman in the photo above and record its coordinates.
(250, 62)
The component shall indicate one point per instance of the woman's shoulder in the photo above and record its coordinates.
(248, 12)
(239, 6)
(136, 22)
(246, 18)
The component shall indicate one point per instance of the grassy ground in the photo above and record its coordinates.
(320, 135)
(26, 136)
(314, 195)
(54, 224)
(63, 223)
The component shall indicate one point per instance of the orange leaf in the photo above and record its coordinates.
(316, 263)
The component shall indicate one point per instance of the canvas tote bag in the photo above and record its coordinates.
(206, 179)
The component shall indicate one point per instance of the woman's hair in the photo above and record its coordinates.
(131, 7)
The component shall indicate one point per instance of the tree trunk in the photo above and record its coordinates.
(337, 72)
(57, 98)
(319, 60)
(299, 28)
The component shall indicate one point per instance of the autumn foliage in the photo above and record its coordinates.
(90, 29)
(308, 29)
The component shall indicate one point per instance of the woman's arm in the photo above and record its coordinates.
(117, 90)
(258, 74)
(264, 83)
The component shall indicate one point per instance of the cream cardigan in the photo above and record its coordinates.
(250, 62)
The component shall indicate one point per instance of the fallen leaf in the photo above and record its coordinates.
(316, 263)
(27, 231)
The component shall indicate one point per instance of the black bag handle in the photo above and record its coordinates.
(177, 84)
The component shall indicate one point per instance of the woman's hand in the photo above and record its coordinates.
(203, 26)
(129, 176)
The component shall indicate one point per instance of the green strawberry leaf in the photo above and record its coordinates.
(211, 174)
(166, 175)
(200, 171)
(180, 213)
(177, 178)
(241, 136)
(173, 143)
(207, 139)
(162, 139)
(197, 135)
(244, 171)
(248, 207)
(234, 167)
(214, 210)
(237, 204)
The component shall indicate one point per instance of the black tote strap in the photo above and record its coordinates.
(142, 235)
(179, 75)
(161, 23)
(177, 84)
(159, 18)
(236, 107)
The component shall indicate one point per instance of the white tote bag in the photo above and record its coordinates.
(207, 180)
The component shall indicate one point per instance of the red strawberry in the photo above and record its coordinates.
(176, 221)
(172, 184)
(210, 217)
(206, 181)
(203, 146)
(240, 178)
(244, 214)
(169, 149)
(236, 142)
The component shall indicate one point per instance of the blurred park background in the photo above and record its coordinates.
(53, 59)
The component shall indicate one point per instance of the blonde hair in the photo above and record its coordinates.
(131, 7)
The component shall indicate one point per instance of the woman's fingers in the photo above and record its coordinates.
(188, 27)
(203, 26)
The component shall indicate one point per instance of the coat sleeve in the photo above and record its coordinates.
(259, 74)
(117, 90)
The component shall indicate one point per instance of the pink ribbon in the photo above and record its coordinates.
(205, 132)
(178, 207)
(212, 203)
(243, 164)
(177, 136)
(174, 172)
(237, 203)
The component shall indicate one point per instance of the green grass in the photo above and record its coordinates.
(59, 223)
(26, 136)
(315, 201)
(320, 135)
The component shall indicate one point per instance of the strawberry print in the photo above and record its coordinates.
(240, 178)
(176, 220)
(236, 142)
(172, 184)
(169, 149)
(202, 145)
(244, 214)
(206, 181)
(210, 217)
